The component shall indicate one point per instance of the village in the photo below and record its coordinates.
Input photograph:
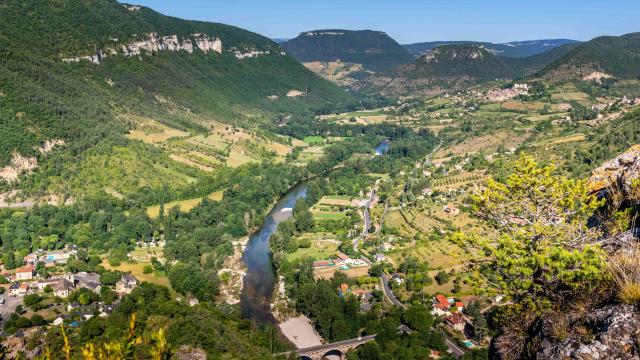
(42, 292)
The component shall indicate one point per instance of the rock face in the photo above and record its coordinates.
(19, 164)
(618, 173)
(614, 332)
(154, 44)
(189, 353)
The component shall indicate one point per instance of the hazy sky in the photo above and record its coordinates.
(419, 20)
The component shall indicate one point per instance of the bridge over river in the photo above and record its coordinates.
(336, 350)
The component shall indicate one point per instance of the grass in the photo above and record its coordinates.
(328, 215)
(563, 140)
(319, 250)
(395, 220)
(184, 205)
(136, 269)
(314, 140)
(337, 200)
(441, 254)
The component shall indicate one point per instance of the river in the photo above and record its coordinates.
(259, 281)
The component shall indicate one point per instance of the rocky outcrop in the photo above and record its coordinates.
(188, 353)
(19, 165)
(154, 44)
(620, 173)
(613, 332)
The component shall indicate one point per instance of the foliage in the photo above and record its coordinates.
(545, 247)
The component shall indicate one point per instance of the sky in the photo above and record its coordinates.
(410, 21)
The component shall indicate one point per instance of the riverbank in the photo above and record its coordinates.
(299, 330)
(232, 273)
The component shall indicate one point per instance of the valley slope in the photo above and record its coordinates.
(82, 73)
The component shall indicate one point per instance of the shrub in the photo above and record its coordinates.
(148, 269)
(625, 272)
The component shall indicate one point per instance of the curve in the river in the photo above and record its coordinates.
(255, 298)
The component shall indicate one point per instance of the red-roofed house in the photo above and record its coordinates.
(456, 321)
(459, 305)
(441, 305)
(343, 257)
(25, 273)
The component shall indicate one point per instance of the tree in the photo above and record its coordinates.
(545, 243)
(37, 320)
(418, 317)
(442, 277)
(302, 217)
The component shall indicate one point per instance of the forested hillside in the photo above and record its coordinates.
(375, 50)
(49, 91)
(615, 56)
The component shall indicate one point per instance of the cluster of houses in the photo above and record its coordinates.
(63, 285)
(50, 258)
(503, 94)
(78, 313)
(451, 310)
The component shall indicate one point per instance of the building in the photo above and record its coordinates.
(456, 321)
(441, 305)
(61, 287)
(31, 259)
(386, 247)
(427, 192)
(126, 284)
(344, 258)
(89, 281)
(564, 107)
(379, 257)
(451, 209)
(397, 279)
(18, 289)
(25, 272)
(459, 305)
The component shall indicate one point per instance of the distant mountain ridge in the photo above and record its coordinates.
(602, 57)
(455, 67)
(375, 50)
(514, 49)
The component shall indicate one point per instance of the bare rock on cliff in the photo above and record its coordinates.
(612, 332)
(188, 353)
(618, 174)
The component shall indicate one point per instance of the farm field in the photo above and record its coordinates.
(327, 273)
(320, 248)
(338, 200)
(394, 220)
(562, 140)
(458, 180)
(184, 205)
(488, 142)
(136, 269)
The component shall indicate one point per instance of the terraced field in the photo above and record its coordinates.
(459, 180)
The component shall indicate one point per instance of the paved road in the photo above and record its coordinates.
(367, 220)
(388, 292)
(11, 302)
(451, 344)
(453, 347)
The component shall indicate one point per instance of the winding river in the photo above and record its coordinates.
(259, 281)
